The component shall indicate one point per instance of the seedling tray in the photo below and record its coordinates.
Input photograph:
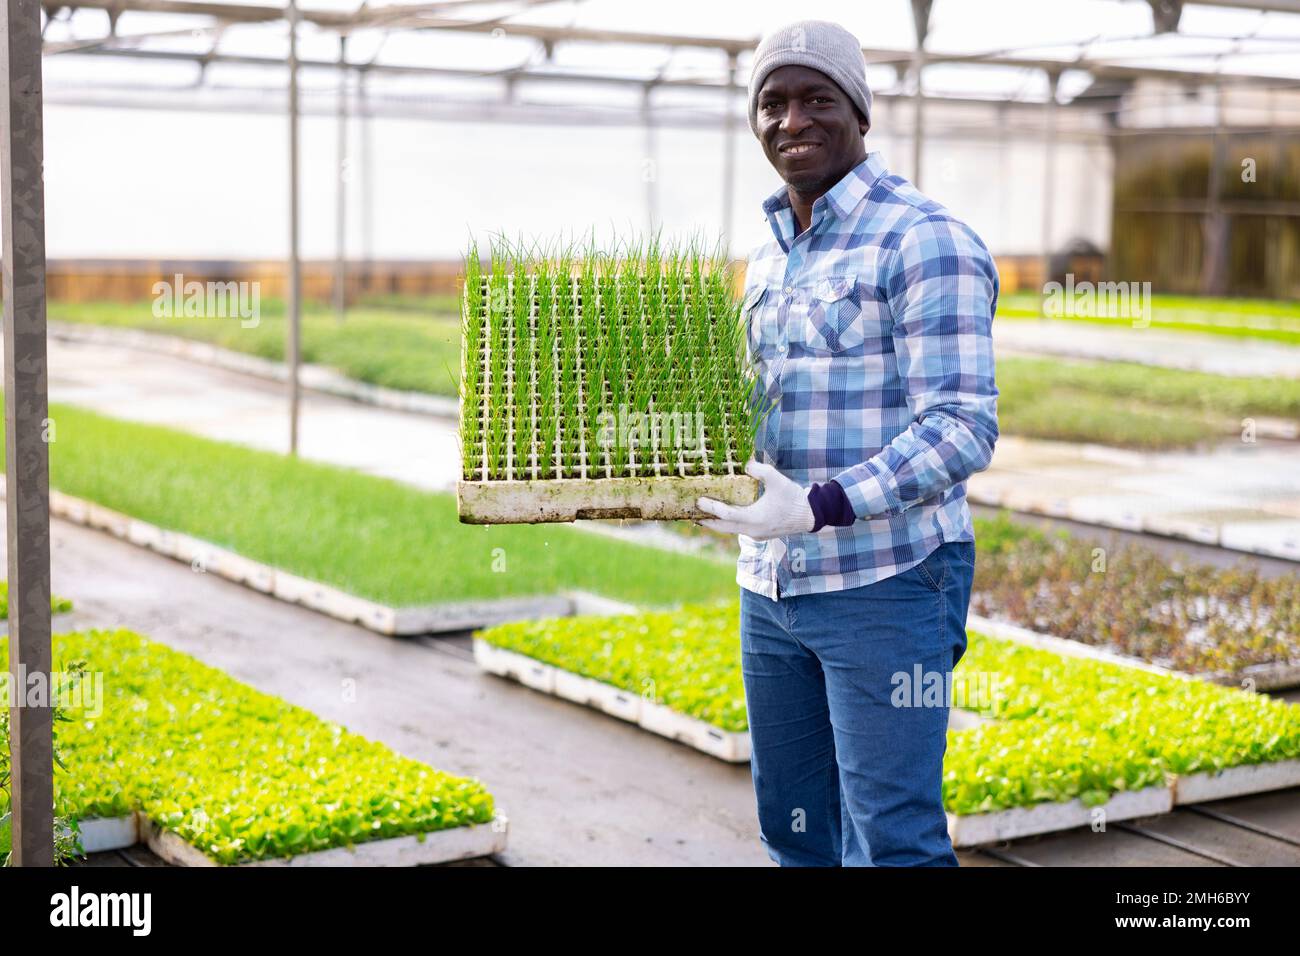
(603, 387)
(729, 745)
(978, 829)
(650, 499)
(101, 834)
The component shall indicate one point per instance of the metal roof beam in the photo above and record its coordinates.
(509, 76)
(399, 16)
(532, 76)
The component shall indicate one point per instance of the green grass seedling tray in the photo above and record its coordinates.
(603, 387)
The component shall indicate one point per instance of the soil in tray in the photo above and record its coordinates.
(647, 499)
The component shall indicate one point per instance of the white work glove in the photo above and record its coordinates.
(783, 508)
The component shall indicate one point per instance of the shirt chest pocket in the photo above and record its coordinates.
(843, 313)
(755, 313)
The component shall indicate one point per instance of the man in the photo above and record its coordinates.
(869, 319)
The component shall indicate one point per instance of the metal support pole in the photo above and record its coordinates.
(367, 183)
(1001, 147)
(729, 155)
(1215, 249)
(921, 21)
(650, 170)
(1049, 172)
(295, 263)
(341, 200)
(1165, 15)
(918, 117)
(27, 463)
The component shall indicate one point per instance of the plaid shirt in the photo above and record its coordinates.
(872, 330)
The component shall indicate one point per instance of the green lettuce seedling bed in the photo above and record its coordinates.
(1062, 740)
(602, 386)
(216, 772)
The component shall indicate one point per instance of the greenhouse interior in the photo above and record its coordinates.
(452, 434)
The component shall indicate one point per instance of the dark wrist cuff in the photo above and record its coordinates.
(830, 506)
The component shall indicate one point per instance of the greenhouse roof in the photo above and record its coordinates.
(605, 54)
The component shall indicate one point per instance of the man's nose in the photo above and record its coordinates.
(795, 120)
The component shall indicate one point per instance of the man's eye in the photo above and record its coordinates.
(769, 106)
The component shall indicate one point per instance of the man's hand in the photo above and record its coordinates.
(783, 508)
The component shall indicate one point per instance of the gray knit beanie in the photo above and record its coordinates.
(821, 45)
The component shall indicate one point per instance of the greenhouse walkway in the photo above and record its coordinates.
(1242, 496)
(1220, 354)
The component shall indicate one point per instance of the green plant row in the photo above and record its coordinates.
(373, 537)
(1071, 727)
(1119, 404)
(1061, 727)
(686, 659)
(239, 774)
(1266, 319)
(1132, 405)
(603, 364)
(403, 343)
(1232, 397)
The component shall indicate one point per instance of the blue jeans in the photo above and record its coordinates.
(847, 752)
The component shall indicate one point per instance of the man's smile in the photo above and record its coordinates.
(798, 148)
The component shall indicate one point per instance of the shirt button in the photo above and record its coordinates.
(789, 290)
(781, 347)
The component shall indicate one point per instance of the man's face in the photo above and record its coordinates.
(810, 129)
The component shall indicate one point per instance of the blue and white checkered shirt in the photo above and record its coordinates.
(872, 330)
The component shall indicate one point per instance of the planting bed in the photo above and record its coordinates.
(1231, 625)
(1266, 319)
(1059, 739)
(402, 349)
(645, 711)
(601, 387)
(442, 846)
(318, 378)
(208, 558)
(1076, 739)
(1123, 404)
(207, 771)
